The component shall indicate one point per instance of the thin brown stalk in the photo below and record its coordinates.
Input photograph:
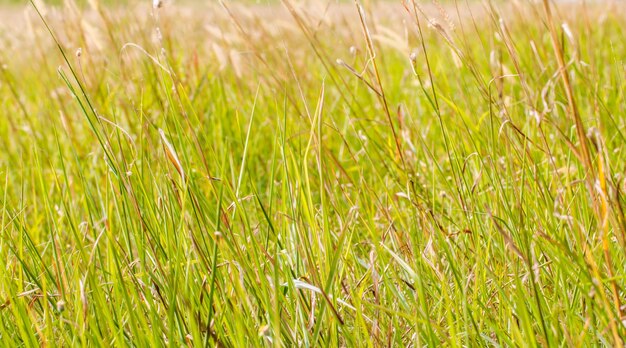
(600, 205)
(569, 92)
(372, 54)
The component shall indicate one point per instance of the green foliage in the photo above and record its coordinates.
(295, 175)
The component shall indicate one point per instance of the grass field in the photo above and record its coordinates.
(313, 174)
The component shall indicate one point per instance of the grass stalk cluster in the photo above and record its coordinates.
(313, 173)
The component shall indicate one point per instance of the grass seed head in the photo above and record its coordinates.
(171, 154)
(60, 306)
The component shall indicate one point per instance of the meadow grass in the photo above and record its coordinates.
(313, 174)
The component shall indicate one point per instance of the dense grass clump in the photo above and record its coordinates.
(313, 174)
